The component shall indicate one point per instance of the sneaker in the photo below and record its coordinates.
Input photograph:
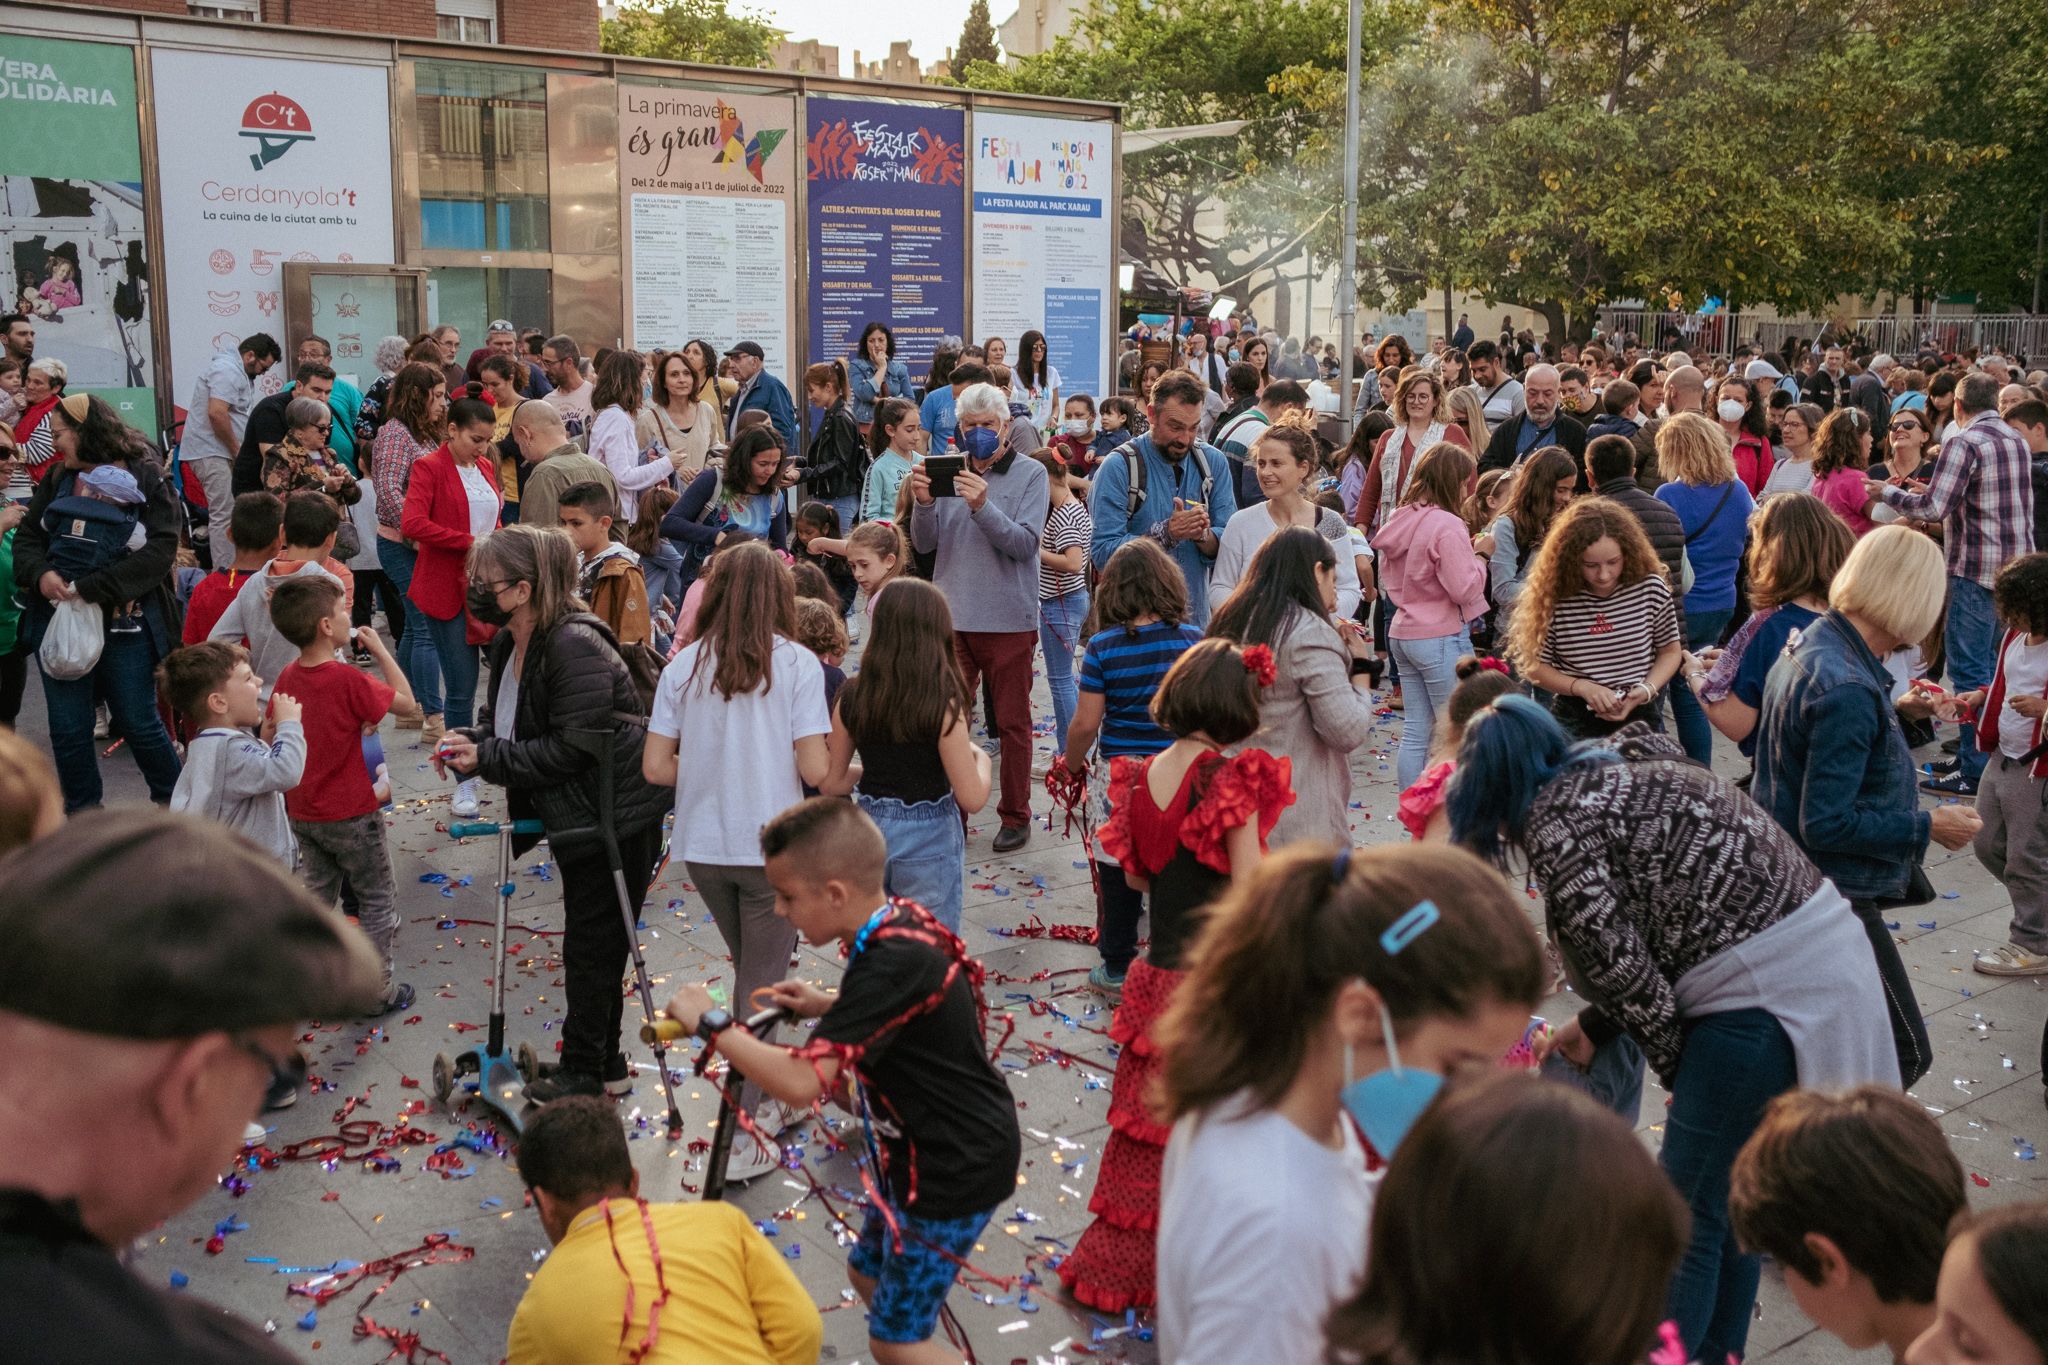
(102, 724)
(1955, 784)
(1942, 767)
(618, 1077)
(749, 1160)
(363, 658)
(281, 1095)
(1110, 984)
(431, 729)
(776, 1118)
(557, 1084)
(1010, 838)
(2009, 959)
(254, 1134)
(401, 998)
(464, 802)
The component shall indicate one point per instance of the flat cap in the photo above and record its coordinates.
(146, 924)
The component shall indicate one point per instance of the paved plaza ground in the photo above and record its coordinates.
(288, 1223)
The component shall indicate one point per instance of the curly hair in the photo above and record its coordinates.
(1839, 442)
(1558, 571)
(2021, 593)
(412, 390)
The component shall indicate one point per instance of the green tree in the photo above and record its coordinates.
(977, 38)
(688, 31)
(1177, 63)
(1560, 153)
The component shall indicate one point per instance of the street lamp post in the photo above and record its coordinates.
(1347, 272)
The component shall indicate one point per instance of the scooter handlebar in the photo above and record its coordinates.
(666, 1030)
(476, 829)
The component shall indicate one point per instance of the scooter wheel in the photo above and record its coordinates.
(529, 1062)
(444, 1077)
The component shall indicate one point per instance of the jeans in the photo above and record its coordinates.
(334, 852)
(1429, 670)
(1118, 910)
(1909, 1028)
(216, 475)
(414, 650)
(848, 509)
(742, 905)
(448, 642)
(927, 852)
(1059, 634)
(125, 679)
(1732, 1066)
(1688, 717)
(1972, 645)
(595, 949)
(1004, 658)
(1615, 1077)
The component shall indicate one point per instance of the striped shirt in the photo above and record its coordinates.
(1066, 526)
(1983, 489)
(1612, 640)
(1126, 667)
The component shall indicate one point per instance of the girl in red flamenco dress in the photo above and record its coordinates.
(1186, 822)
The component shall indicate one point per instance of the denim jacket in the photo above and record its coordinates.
(1832, 764)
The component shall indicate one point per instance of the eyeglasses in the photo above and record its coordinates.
(289, 1072)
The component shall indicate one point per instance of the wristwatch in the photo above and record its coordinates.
(713, 1022)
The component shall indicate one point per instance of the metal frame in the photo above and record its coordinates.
(397, 55)
(298, 295)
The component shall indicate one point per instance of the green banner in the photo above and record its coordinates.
(69, 110)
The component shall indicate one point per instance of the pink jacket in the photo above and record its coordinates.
(1428, 568)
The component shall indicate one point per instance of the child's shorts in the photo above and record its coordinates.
(911, 1284)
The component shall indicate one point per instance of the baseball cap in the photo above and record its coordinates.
(147, 924)
(752, 348)
(500, 325)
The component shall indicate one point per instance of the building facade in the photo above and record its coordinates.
(561, 25)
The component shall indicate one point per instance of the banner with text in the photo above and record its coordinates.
(262, 160)
(708, 180)
(73, 254)
(887, 232)
(1044, 243)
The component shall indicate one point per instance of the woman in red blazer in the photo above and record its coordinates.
(452, 499)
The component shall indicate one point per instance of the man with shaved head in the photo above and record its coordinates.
(1542, 422)
(1685, 390)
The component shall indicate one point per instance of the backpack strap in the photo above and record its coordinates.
(1134, 464)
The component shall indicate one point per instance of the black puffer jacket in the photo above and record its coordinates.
(1662, 526)
(577, 708)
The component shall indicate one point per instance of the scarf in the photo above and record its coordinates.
(1394, 467)
(33, 417)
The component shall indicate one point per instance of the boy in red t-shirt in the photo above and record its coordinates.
(256, 528)
(334, 809)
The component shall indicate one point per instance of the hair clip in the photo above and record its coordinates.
(1409, 927)
(1258, 661)
(1340, 866)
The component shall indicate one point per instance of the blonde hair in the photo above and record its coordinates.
(1692, 450)
(1895, 580)
(28, 790)
(1558, 571)
(1463, 407)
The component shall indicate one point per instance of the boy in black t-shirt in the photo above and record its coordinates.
(903, 1040)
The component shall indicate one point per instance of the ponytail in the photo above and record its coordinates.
(889, 414)
(829, 374)
(1511, 751)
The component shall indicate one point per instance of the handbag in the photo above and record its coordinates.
(1919, 891)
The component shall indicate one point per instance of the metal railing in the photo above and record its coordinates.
(2014, 334)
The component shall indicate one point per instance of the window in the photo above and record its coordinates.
(471, 297)
(483, 134)
(468, 21)
(235, 11)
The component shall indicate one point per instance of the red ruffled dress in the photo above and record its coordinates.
(1425, 797)
(1182, 849)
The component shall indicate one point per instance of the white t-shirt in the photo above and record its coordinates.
(574, 407)
(225, 379)
(1500, 401)
(483, 500)
(1262, 1232)
(2026, 675)
(736, 757)
(1042, 415)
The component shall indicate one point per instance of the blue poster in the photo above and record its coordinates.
(888, 227)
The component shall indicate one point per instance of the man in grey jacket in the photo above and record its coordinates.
(985, 538)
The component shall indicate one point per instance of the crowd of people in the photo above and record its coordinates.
(660, 601)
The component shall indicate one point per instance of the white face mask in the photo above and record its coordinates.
(1731, 411)
(1074, 426)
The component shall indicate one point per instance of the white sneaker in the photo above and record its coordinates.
(464, 803)
(2009, 959)
(750, 1159)
(254, 1134)
(776, 1118)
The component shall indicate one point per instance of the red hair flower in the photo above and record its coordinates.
(1494, 665)
(1258, 661)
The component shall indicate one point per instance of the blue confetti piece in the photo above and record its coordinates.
(448, 892)
(1969, 994)
(492, 1204)
(259, 1260)
(794, 1251)
(1892, 925)
(1951, 895)
(464, 881)
(1000, 890)
(179, 1279)
(310, 1321)
(1081, 864)
(1926, 923)
(2023, 1149)
(433, 878)
(445, 924)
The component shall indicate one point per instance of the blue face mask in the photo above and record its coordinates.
(1387, 1103)
(979, 443)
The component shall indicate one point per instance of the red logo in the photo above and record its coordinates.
(1601, 625)
(278, 124)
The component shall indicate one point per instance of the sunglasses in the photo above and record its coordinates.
(289, 1072)
(1903, 426)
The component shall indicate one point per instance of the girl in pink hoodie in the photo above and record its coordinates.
(1437, 584)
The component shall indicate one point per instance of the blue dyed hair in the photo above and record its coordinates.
(1511, 751)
